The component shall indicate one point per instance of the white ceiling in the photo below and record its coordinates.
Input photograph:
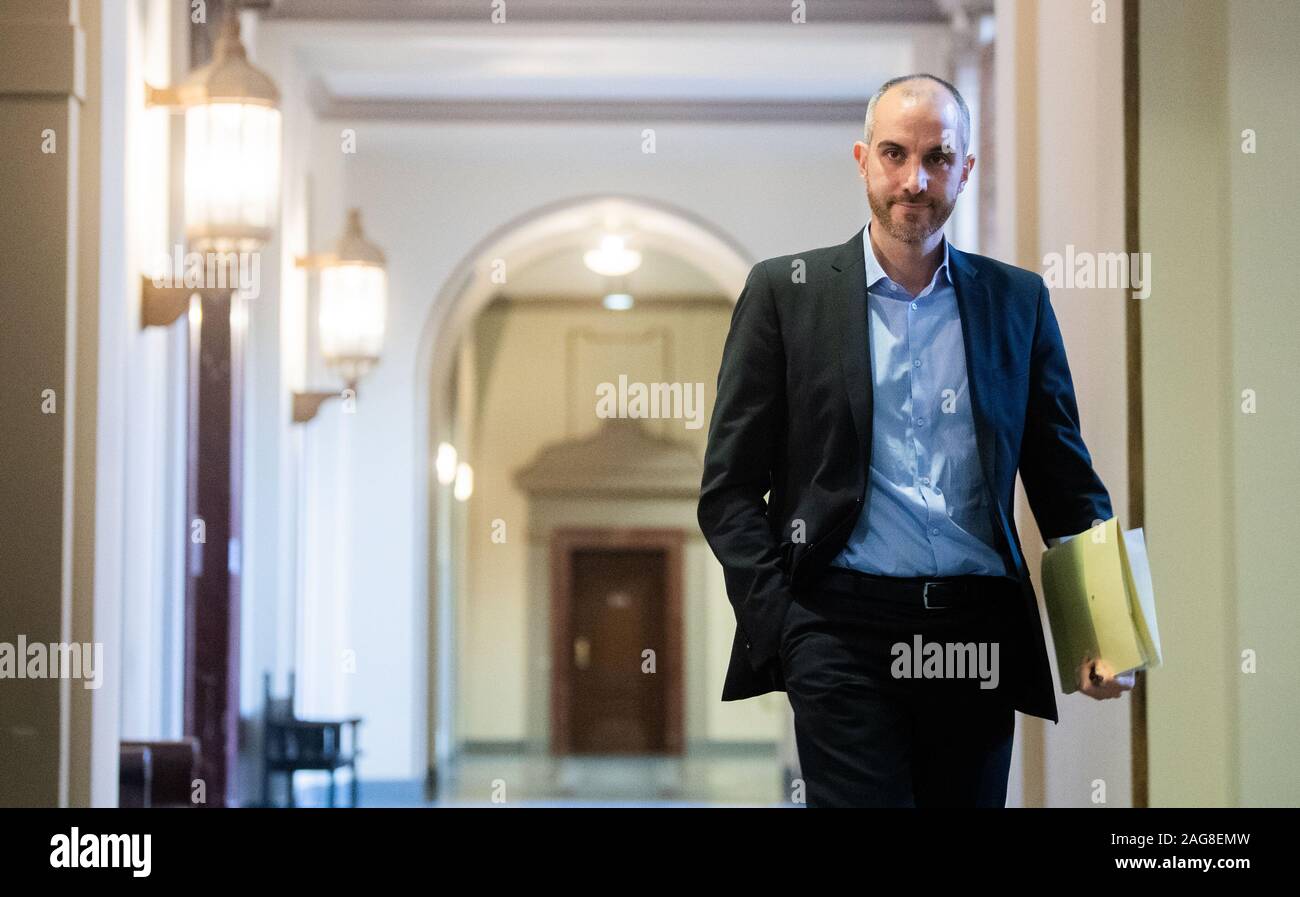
(593, 63)
(445, 68)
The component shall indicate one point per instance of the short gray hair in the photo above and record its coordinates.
(870, 122)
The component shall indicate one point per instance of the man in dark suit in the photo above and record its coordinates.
(874, 403)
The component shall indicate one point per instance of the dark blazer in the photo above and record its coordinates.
(792, 420)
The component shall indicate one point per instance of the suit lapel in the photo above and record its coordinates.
(848, 302)
(974, 308)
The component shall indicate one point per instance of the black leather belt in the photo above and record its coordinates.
(931, 594)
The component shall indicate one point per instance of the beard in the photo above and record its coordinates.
(910, 230)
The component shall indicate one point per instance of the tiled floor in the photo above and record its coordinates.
(514, 781)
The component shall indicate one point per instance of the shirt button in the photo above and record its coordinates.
(916, 363)
(920, 422)
(925, 481)
(913, 306)
(934, 531)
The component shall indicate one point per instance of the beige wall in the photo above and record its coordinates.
(1221, 228)
(1264, 191)
(58, 738)
(1060, 183)
(38, 201)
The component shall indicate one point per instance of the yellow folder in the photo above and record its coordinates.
(1100, 603)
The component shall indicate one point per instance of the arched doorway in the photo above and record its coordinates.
(471, 286)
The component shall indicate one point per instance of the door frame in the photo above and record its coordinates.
(671, 660)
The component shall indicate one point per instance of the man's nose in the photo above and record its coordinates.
(916, 179)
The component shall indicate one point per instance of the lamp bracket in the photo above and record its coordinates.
(163, 306)
(307, 404)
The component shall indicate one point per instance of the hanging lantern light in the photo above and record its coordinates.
(353, 311)
(232, 162)
(613, 258)
(353, 303)
(232, 148)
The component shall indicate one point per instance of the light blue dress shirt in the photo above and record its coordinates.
(926, 511)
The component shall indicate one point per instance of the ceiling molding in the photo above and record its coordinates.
(613, 109)
(599, 11)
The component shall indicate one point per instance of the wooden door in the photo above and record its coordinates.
(617, 642)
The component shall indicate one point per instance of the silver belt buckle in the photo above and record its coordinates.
(925, 597)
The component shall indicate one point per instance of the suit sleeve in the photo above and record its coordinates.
(746, 433)
(1064, 492)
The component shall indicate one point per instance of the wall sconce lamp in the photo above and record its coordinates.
(464, 484)
(353, 311)
(451, 472)
(232, 162)
(445, 463)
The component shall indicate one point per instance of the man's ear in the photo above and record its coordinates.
(970, 166)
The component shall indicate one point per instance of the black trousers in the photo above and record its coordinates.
(871, 732)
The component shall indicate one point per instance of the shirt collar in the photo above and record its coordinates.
(875, 272)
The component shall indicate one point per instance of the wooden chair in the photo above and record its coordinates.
(158, 773)
(134, 776)
(290, 744)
